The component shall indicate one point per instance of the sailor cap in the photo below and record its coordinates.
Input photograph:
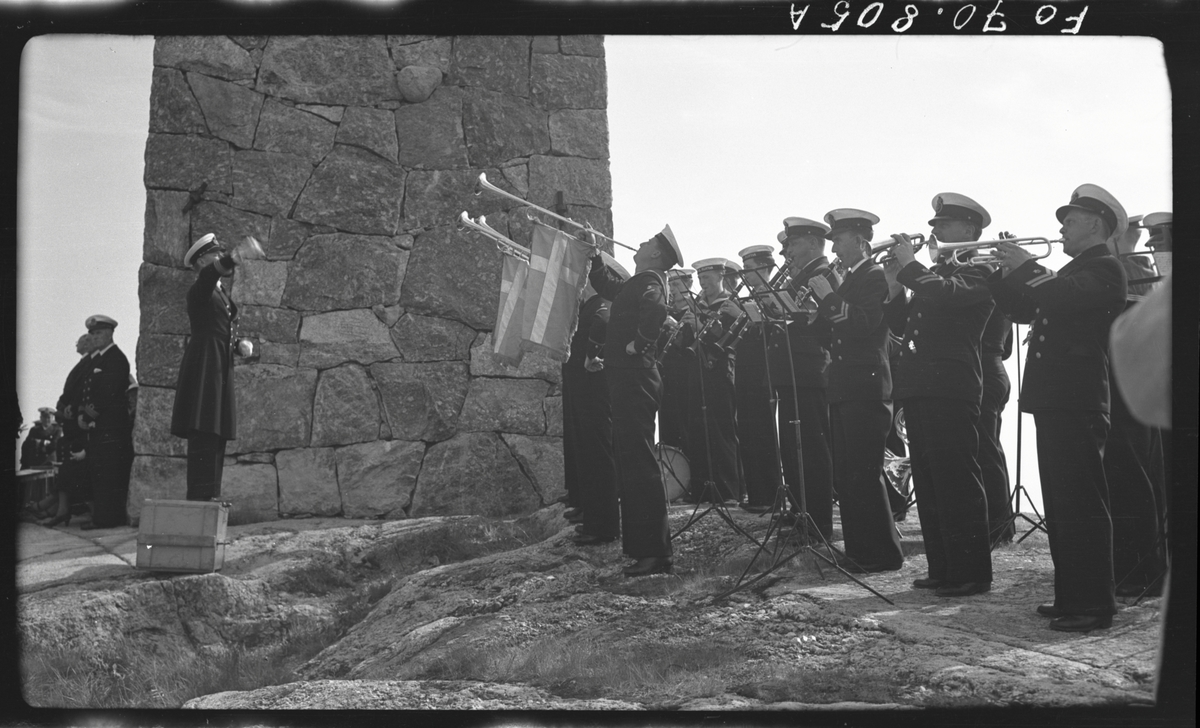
(1096, 200)
(1156, 219)
(953, 206)
(200, 247)
(848, 218)
(668, 237)
(99, 321)
(611, 262)
(794, 227)
(716, 263)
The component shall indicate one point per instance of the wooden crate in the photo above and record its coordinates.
(182, 536)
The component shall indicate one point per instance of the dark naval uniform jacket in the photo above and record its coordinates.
(859, 364)
(810, 340)
(104, 388)
(1070, 312)
(204, 399)
(638, 310)
(941, 326)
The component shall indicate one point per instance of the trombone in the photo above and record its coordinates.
(955, 249)
(483, 184)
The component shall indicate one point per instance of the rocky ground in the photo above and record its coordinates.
(480, 613)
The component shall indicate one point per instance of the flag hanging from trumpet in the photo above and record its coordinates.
(506, 337)
(539, 299)
(558, 266)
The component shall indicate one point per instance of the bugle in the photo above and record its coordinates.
(483, 184)
(506, 246)
(956, 249)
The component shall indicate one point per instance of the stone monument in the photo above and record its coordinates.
(350, 159)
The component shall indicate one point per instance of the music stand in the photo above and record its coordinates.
(716, 503)
(800, 539)
(1018, 489)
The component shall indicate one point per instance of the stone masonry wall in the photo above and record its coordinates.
(350, 159)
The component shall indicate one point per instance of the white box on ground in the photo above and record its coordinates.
(182, 536)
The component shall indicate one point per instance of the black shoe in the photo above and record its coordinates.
(790, 518)
(564, 499)
(1049, 610)
(755, 509)
(588, 539)
(572, 513)
(928, 582)
(649, 565)
(1080, 623)
(967, 589)
(899, 516)
(88, 526)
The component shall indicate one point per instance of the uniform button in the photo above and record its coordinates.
(918, 315)
(1038, 355)
(839, 341)
(1041, 338)
(840, 357)
(1045, 321)
(915, 332)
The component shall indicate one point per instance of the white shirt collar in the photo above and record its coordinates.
(100, 352)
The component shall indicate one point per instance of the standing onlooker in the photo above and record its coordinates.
(105, 415)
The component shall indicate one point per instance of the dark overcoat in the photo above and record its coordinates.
(204, 400)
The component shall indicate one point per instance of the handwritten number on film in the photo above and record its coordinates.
(993, 22)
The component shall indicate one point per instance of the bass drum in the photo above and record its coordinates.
(676, 473)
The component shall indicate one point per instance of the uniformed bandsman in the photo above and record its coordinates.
(1066, 389)
(712, 413)
(1133, 458)
(104, 413)
(204, 411)
(639, 308)
(799, 361)
(860, 390)
(938, 381)
(995, 347)
(588, 468)
(757, 444)
(677, 365)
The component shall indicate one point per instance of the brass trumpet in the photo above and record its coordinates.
(882, 255)
(955, 249)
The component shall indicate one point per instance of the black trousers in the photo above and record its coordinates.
(953, 509)
(108, 473)
(993, 464)
(633, 396)
(814, 452)
(589, 472)
(1070, 446)
(1130, 455)
(712, 419)
(205, 465)
(758, 449)
(673, 415)
(858, 429)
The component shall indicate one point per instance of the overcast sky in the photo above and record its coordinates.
(721, 137)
